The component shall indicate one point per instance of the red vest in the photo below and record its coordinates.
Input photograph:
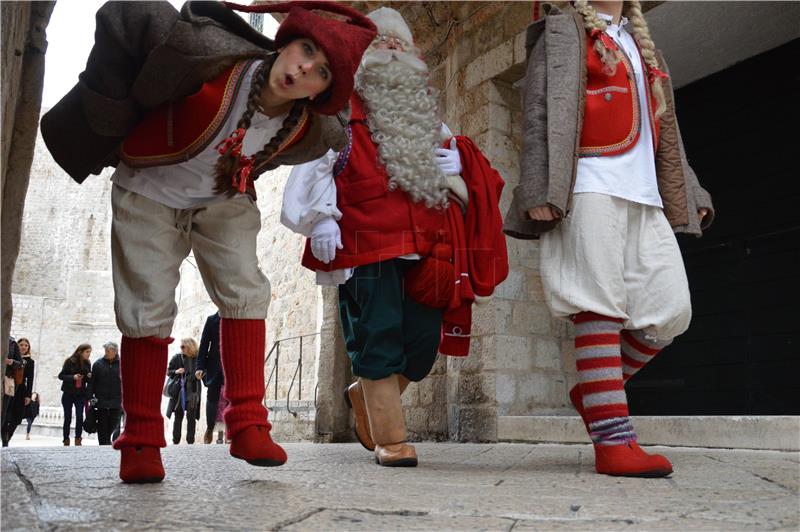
(177, 131)
(611, 120)
(377, 224)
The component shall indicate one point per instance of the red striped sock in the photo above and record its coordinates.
(143, 364)
(599, 364)
(242, 352)
(638, 351)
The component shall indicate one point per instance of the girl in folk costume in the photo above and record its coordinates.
(232, 105)
(605, 184)
(371, 213)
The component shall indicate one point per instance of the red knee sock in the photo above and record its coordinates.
(242, 353)
(598, 360)
(143, 365)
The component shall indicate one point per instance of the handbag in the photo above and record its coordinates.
(172, 388)
(8, 386)
(90, 419)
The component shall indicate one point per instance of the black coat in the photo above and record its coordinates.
(32, 410)
(15, 405)
(67, 375)
(27, 379)
(208, 357)
(106, 386)
(191, 385)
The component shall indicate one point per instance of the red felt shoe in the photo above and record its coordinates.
(630, 461)
(141, 465)
(255, 446)
(576, 398)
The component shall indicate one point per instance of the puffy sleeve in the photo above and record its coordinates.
(310, 194)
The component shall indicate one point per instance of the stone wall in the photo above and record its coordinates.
(22, 51)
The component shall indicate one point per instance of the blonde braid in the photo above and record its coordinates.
(591, 21)
(641, 33)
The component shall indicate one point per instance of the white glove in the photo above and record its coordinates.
(449, 160)
(326, 237)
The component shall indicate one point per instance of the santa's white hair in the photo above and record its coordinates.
(401, 112)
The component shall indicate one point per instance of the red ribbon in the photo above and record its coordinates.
(233, 142)
(608, 42)
(243, 174)
(653, 73)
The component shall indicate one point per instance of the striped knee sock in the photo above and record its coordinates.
(599, 363)
(638, 351)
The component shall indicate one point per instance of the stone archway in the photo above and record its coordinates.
(24, 45)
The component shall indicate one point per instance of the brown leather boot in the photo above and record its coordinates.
(78, 442)
(208, 437)
(387, 422)
(354, 397)
(66, 442)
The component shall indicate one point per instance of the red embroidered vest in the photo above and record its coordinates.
(177, 131)
(377, 224)
(612, 119)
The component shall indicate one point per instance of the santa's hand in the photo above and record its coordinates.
(449, 160)
(326, 237)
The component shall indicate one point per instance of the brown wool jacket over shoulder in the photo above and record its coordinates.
(145, 54)
(554, 100)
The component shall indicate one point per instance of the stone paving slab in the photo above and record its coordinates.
(456, 487)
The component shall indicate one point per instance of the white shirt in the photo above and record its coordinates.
(190, 184)
(630, 175)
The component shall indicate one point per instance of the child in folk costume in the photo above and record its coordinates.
(191, 107)
(604, 185)
(372, 212)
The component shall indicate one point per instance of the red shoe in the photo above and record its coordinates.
(576, 398)
(254, 446)
(629, 461)
(141, 465)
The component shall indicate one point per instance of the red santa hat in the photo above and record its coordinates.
(343, 42)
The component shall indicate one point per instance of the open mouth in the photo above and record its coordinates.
(288, 80)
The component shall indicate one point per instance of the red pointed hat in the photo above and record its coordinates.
(343, 42)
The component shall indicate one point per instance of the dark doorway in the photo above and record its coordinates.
(741, 354)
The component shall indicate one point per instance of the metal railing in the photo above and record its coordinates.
(296, 376)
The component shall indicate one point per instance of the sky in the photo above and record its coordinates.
(70, 35)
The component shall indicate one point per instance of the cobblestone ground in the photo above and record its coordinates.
(456, 487)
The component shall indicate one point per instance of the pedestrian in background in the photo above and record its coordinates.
(210, 370)
(22, 391)
(107, 390)
(183, 367)
(12, 378)
(31, 413)
(75, 374)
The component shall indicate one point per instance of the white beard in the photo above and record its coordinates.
(402, 115)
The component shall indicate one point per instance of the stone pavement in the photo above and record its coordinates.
(457, 487)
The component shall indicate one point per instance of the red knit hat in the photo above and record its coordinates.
(343, 42)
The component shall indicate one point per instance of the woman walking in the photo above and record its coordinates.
(183, 367)
(75, 374)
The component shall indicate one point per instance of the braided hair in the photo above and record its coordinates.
(633, 11)
(228, 163)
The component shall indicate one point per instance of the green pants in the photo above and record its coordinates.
(385, 331)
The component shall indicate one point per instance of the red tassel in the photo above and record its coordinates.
(608, 42)
(432, 281)
(653, 73)
(245, 168)
(234, 142)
